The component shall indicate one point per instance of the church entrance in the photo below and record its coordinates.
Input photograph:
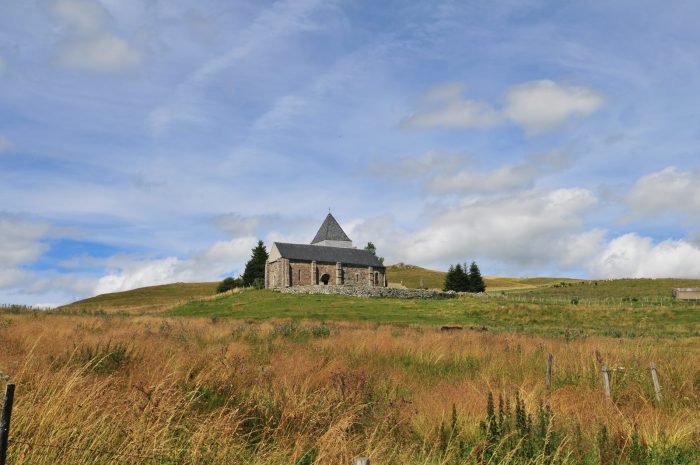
(325, 278)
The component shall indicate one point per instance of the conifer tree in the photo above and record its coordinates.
(476, 282)
(255, 268)
(462, 278)
(450, 279)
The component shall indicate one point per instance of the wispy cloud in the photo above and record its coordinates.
(5, 144)
(276, 22)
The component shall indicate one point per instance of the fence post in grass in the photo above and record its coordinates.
(606, 381)
(361, 461)
(550, 359)
(5, 424)
(655, 380)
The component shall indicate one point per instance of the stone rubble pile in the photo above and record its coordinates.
(361, 291)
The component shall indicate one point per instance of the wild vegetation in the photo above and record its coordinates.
(163, 390)
(259, 377)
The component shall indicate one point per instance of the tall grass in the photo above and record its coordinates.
(152, 390)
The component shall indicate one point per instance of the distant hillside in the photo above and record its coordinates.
(410, 276)
(166, 296)
(145, 299)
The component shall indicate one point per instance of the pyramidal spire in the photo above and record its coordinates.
(331, 234)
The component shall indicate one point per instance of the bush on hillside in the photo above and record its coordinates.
(229, 283)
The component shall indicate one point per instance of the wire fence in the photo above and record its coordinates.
(634, 302)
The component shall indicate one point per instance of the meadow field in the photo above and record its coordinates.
(258, 377)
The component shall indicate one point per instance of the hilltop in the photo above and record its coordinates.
(145, 299)
(411, 275)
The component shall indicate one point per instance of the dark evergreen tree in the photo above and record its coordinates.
(450, 282)
(255, 268)
(462, 278)
(476, 282)
(457, 279)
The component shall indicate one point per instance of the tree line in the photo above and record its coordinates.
(461, 279)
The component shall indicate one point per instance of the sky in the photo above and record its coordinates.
(151, 142)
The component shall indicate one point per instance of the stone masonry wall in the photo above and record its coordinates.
(364, 291)
(300, 274)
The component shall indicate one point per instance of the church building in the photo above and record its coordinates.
(330, 259)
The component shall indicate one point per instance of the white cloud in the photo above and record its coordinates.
(103, 53)
(634, 256)
(20, 245)
(536, 106)
(5, 144)
(504, 178)
(531, 228)
(89, 44)
(86, 16)
(540, 106)
(455, 114)
(456, 172)
(221, 257)
(667, 191)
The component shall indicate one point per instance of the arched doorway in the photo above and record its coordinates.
(376, 278)
(325, 278)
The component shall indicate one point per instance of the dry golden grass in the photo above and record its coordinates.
(208, 391)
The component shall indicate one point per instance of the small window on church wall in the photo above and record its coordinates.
(299, 275)
(357, 277)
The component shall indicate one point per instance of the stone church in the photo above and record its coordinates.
(330, 259)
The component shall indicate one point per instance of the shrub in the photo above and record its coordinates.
(229, 283)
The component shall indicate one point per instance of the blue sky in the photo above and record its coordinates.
(151, 142)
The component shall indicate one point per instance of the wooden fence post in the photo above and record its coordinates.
(550, 359)
(655, 380)
(5, 424)
(606, 381)
(361, 461)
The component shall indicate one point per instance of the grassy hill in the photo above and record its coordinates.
(145, 299)
(496, 313)
(612, 289)
(411, 275)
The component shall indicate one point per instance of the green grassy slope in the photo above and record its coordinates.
(410, 276)
(615, 289)
(150, 298)
(495, 313)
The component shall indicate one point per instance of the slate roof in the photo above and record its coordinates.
(321, 253)
(330, 230)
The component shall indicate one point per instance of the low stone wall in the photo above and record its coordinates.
(361, 291)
